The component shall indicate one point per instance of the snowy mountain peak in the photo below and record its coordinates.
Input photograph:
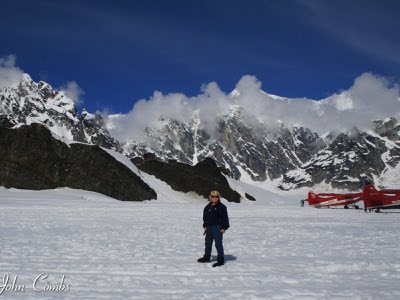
(86, 115)
(30, 102)
(26, 79)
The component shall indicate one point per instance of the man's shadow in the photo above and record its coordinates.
(228, 257)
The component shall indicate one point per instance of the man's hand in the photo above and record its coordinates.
(222, 231)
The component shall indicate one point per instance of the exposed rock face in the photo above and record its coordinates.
(295, 156)
(6, 121)
(261, 154)
(270, 153)
(389, 128)
(201, 178)
(95, 132)
(30, 158)
(351, 159)
(250, 197)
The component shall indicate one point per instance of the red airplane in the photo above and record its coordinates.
(332, 199)
(382, 199)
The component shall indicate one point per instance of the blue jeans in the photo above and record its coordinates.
(213, 232)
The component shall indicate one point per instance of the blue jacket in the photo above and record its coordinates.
(216, 215)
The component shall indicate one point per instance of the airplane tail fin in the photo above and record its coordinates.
(312, 198)
(369, 193)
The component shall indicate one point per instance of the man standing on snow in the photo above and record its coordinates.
(215, 223)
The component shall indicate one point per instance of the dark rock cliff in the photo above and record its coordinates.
(200, 178)
(31, 158)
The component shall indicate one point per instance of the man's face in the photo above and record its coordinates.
(214, 198)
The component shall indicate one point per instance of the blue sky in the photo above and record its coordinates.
(121, 51)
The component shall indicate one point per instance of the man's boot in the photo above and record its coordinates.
(220, 261)
(204, 259)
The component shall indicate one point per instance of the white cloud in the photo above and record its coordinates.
(344, 101)
(73, 91)
(370, 97)
(10, 74)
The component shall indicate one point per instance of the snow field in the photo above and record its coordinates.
(109, 249)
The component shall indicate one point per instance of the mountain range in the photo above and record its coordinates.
(283, 156)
